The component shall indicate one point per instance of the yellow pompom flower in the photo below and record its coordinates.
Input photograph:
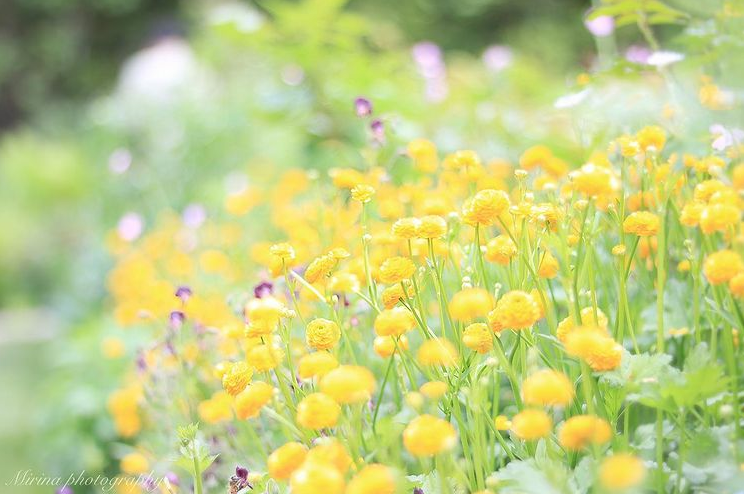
(470, 303)
(316, 364)
(330, 450)
(134, 463)
(314, 477)
(322, 334)
(502, 423)
(249, 402)
(531, 424)
(547, 388)
(641, 223)
(406, 228)
(384, 346)
(651, 136)
(588, 319)
(434, 389)
(283, 251)
(237, 377)
(396, 269)
(320, 267)
(362, 193)
(548, 266)
(348, 384)
(285, 460)
(621, 471)
(485, 207)
(719, 218)
(516, 310)
(318, 411)
(427, 435)
(736, 285)
(593, 346)
(424, 154)
(372, 479)
(535, 157)
(263, 358)
(437, 351)
(394, 293)
(431, 227)
(500, 250)
(394, 322)
(344, 283)
(721, 266)
(580, 431)
(478, 338)
(263, 316)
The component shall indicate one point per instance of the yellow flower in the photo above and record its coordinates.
(535, 157)
(641, 223)
(384, 346)
(485, 207)
(502, 423)
(500, 250)
(478, 338)
(736, 285)
(329, 450)
(531, 424)
(394, 322)
(134, 463)
(406, 228)
(344, 283)
(316, 477)
(283, 251)
(582, 430)
(721, 266)
(320, 267)
(396, 269)
(265, 357)
(285, 460)
(346, 178)
(348, 384)
(237, 377)
(263, 316)
(434, 389)
(515, 310)
(372, 479)
(431, 227)
(547, 387)
(719, 218)
(683, 266)
(593, 346)
(424, 154)
(394, 293)
(318, 411)
(651, 137)
(595, 181)
(362, 193)
(437, 351)
(112, 347)
(427, 435)
(588, 318)
(322, 334)
(621, 471)
(470, 303)
(548, 266)
(250, 401)
(316, 364)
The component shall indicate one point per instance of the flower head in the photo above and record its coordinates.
(318, 411)
(547, 387)
(285, 460)
(580, 431)
(322, 334)
(470, 303)
(722, 266)
(531, 424)
(348, 384)
(427, 435)
(515, 310)
(478, 337)
(396, 269)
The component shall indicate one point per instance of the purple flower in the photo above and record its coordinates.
(130, 227)
(176, 319)
(194, 215)
(184, 293)
(239, 481)
(363, 107)
(119, 162)
(637, 54)
(65, 489)
(172, 478)
(418, 490)
(430, 63)
(497, 57)
(263, 289)
(378, 130)
(600, 26)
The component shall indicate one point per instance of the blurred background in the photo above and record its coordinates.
(115, 112)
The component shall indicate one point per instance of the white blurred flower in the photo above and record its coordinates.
(600, 26)
(130, 227)
(571, 100)
(497, 57)
(664, 58)
(724, 137)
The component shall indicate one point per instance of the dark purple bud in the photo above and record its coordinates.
(378, 130)
(241, 472)
(263, 289)
(149, 484)
(65, 489)
(363, 107)
(176, 319)
(184, 293)
(418, 490)
(141, 363)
